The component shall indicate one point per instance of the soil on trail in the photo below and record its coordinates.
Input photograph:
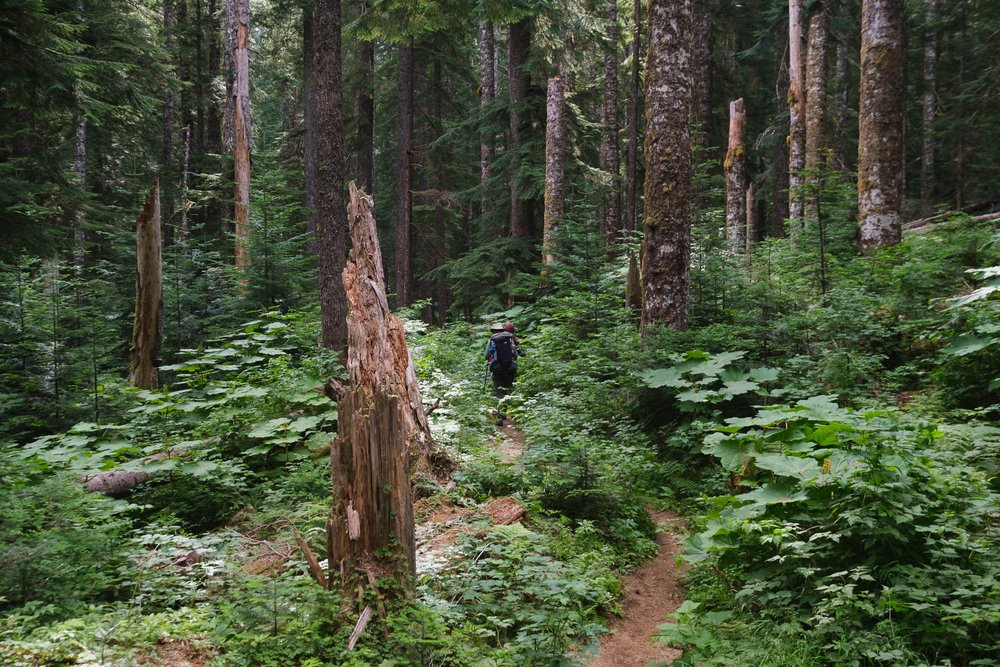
(512, 444)
(651, 592)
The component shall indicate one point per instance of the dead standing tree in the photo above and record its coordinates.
(147, 328)
(383, 431)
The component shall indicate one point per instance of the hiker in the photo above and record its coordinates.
(501, 354)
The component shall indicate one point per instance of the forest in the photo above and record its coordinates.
(485, 333)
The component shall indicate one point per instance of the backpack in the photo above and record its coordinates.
(505, 356)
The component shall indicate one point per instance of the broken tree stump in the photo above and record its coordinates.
(383, 435)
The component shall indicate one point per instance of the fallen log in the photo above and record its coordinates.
(117, 483)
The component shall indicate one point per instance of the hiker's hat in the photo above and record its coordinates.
(497, 327)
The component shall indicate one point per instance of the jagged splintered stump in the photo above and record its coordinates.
(383, 432)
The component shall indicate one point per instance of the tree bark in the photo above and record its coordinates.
(840, 107)
(633, 283)
(383, 430)
(487, 91)
(365, 139)
(779, 156)
(370, 527)
(237, 45)
(169, 26)
(701, 68)
(147, 327)
(555, 148)
(752, 221)
(929, 111)
(796, 115)
(610, 163)
(518, 40)
(815, 107)
(880, 143)
(309, 122)
(404, 196)
(185, 228)
(736, 178)
(331, 219)
(667, 189)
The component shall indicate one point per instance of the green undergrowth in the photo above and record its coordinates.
(835, 451)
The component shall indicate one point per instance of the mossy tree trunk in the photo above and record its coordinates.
(796, 116)
(518, 42)
(666, 251)
(880, 143)
(633, 283)
(555, 149)
(929, 111)
(404, 173)
(331, 222)
(816, 64)
(610, 160)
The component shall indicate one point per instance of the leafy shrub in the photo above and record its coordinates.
(528, 604)
(860, 531)
(59, 547)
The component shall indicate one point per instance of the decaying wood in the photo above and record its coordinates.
(117, 483)
(937, 221)
(359, 627)
(736, 177)
(378, 360)
(147, 328)
(238, 45)
(314, 568)
(382, 426)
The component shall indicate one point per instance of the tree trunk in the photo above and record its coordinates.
(611, 214)
(633, 283)
(331, 220)
(815, 107)
(168, 111)
(779, 157)
(487, 91)
(365, 139)
(237, 45)
(880, 143)
(309, 122)
(383, 431)
(518, 40)
(404, 196)
(929, 108)
(185, 228)
(555, 148)
(370, 527)
(147, 328)
(840, 107)
(796, 115)
(667, 220)
(701, 68)
(736, 178)
(752, 222)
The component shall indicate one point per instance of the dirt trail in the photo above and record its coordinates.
(651, 592)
